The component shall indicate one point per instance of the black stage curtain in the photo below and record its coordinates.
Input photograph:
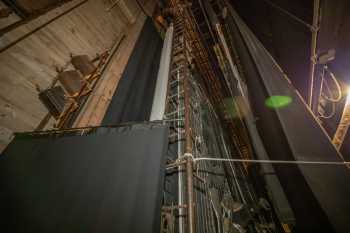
(318, 194)
(109, 181)
(133, 98)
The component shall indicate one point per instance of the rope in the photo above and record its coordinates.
(272, 161)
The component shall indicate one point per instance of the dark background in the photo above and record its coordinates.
(289, 42)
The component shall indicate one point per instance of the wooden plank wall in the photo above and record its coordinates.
(94, 110)
(88, 29)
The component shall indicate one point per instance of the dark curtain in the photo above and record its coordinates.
(318, 194)
(109, 181)
(133, 98)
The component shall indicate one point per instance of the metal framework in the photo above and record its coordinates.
(193, 90)
(188, 52)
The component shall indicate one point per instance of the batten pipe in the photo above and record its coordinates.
(313, 54)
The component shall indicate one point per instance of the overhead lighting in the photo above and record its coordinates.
(347, 103)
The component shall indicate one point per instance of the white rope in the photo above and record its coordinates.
(272, 161)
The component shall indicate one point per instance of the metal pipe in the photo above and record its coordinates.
(189, 160)
(190, 196)
(180, 153)
(188, 145)
(181, 37)
(313, 55)
(207, 19)
(159, 99)
(188, 150)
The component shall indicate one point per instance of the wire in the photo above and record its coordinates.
(289, 14)
(330, 115)
(272, 161)
(330, 99)
(334, 79)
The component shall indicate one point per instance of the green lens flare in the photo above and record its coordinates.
(278, 101)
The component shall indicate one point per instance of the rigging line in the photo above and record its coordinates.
(272, 161)
(237, 187)
(289, 14)
(238, 191)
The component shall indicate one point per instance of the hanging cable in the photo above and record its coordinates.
(329, 98)
(330, 115)
(335, 81)
(320, 114)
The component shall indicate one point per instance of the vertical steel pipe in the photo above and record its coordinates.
(188, 140)
(313, 55)
(189, 161)
(180, 153)
(190, 196)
